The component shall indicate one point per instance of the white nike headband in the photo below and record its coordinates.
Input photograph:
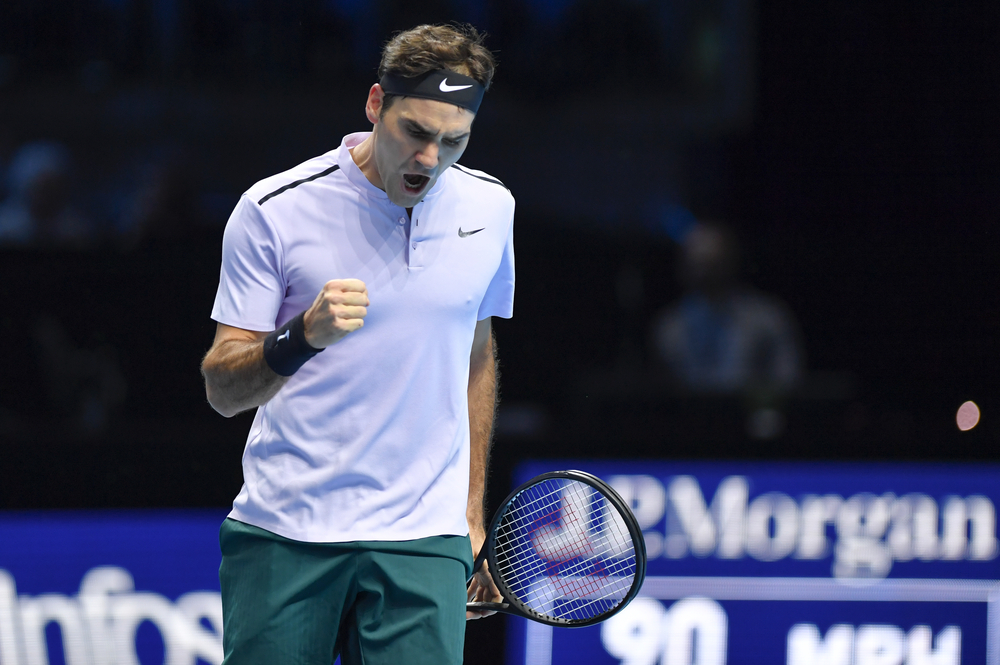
(441, 85)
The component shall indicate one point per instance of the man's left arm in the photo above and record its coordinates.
(482, 409)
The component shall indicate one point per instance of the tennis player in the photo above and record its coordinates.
(353, 313)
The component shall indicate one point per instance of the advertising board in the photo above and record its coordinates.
(796, 563)
(110, 588)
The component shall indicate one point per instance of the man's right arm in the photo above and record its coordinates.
(237, 377)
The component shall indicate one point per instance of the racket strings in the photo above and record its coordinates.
(617, 567)
(601, 589)
(564, 551)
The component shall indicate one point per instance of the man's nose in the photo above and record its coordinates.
(428, 157)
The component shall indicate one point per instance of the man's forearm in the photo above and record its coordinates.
(237, 378)
(483, 381)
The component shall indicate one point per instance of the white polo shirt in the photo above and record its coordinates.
(369, 440)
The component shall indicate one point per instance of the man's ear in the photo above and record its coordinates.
(373, 108)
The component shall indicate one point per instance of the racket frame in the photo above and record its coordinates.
(514, 605)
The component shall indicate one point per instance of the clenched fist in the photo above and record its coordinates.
(339, 309)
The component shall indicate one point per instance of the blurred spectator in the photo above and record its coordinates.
(38, 210)
(6, 148)
(724, 336)
(164, 206)
(84, 385)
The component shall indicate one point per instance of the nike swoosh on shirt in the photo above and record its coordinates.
(466, 234)
(444, 87)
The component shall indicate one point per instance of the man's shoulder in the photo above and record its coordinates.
(479, 182)
(279, 184)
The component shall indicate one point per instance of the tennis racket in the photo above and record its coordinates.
(565, 550)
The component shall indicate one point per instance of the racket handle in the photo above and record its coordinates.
(492, 607)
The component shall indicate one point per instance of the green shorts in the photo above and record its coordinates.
(370, 602)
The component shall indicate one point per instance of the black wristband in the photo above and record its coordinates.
(286, 349)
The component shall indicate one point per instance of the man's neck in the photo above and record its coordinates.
(363, 155)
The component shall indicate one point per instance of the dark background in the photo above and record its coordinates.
(853, 146)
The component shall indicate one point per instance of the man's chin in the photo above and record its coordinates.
(405, 199)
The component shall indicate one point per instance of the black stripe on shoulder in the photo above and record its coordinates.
(481, 177)
(297, 183)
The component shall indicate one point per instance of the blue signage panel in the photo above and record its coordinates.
(796, 563)
(110, 588)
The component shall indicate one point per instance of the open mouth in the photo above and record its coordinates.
(413, 183)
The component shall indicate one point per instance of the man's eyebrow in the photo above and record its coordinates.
(416, 126)
(420, 129)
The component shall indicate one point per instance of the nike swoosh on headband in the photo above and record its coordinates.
(444, 87)
(440, 84)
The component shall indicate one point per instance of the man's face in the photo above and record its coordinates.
(416, 140)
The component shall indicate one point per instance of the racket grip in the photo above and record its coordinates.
(493, 607)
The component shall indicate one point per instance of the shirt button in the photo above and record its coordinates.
(402, 220)
(414, 245)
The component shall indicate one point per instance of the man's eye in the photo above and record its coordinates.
(454, 143)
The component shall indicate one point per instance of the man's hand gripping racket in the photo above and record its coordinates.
(563, 549)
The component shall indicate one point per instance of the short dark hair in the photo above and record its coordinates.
(425, 48)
